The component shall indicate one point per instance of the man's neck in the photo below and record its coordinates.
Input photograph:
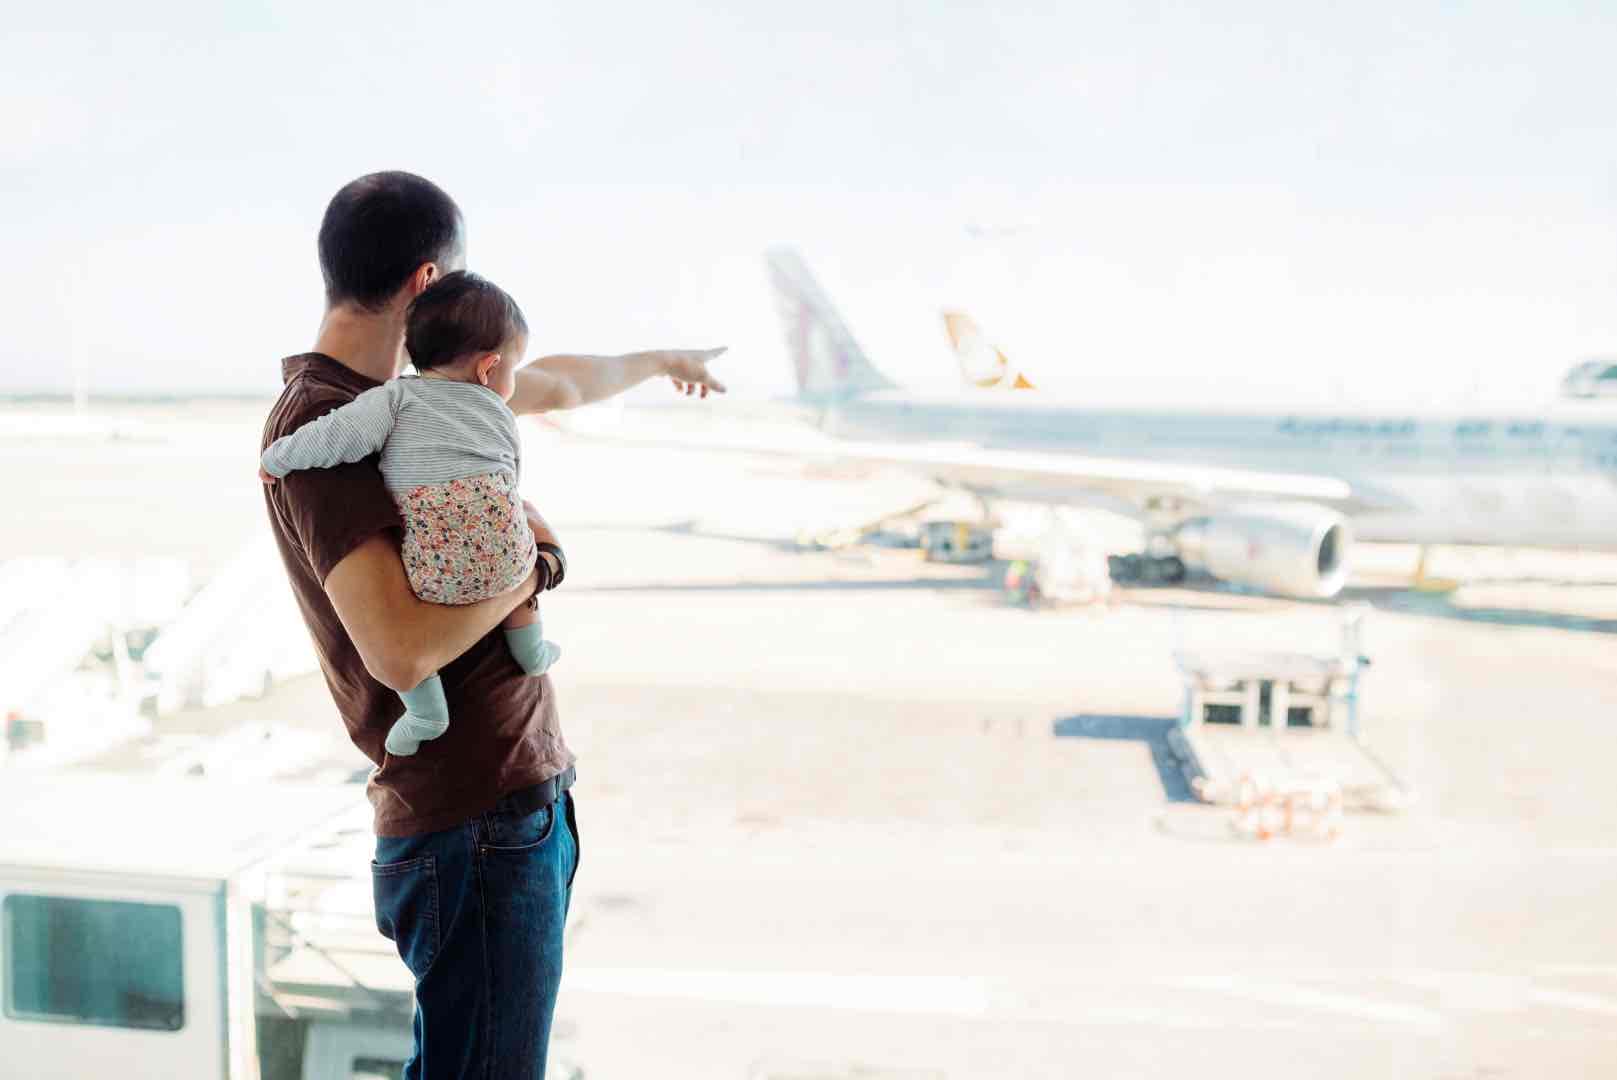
(370, 343)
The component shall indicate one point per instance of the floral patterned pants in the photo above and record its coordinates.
(466, 540)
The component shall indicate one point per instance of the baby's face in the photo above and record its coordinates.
(503, 379)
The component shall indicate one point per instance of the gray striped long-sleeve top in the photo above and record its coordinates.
(430, 431)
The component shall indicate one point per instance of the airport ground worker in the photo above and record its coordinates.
(476, 835)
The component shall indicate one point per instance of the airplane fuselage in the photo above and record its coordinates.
(1547, 479)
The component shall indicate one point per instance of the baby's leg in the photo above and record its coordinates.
(426, 716)
(525, 637)
(522, 616)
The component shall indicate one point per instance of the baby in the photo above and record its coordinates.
(451, 458)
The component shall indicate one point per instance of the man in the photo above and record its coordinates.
(477, 839)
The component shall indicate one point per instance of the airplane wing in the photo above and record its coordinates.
(1045, 477)
(1033, 475)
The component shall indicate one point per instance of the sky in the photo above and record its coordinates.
(1390, 202)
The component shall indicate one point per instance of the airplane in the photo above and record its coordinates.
(1594, 378)
(1271, 500)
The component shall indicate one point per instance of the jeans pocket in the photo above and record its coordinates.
(518, 834)
(406, 897)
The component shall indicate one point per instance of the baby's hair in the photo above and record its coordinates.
(458, 315)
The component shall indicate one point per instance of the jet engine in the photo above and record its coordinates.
(1295, 549)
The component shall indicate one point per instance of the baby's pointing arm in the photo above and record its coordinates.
(347, 433)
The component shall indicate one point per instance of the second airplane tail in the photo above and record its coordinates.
(829, 363)
(981, 364)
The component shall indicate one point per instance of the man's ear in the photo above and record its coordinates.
(486, 365)
(424, 276)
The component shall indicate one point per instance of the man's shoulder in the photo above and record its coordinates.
(305, 396)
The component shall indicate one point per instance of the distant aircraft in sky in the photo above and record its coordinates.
(1591, 379)
(1267, 499)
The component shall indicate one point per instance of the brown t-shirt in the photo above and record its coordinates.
(503, 734)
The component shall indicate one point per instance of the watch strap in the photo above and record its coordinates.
(561, 561)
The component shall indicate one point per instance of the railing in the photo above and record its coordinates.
(317, 945)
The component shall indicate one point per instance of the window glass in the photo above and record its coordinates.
(103, 962)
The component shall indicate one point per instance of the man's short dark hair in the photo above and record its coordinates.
(378, 230)
(458, 315)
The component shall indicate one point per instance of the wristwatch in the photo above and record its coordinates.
(547, 580)
(561, 565)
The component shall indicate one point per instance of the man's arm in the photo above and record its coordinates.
(402, 638)
(566, 381)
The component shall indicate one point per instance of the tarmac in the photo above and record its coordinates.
(850, 814)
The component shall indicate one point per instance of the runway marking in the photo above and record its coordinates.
(1572, 999)
(1576, 969)
(930, 994)
(979, 998)
(1471, 991)
(1300, 997)
(1512, 993)
(880, 843)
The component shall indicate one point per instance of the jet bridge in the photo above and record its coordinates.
(56, 615)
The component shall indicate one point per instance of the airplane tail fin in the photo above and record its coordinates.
(828, 361)
(981, 364)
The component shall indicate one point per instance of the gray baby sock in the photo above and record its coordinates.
(426, 716)
(532, 651)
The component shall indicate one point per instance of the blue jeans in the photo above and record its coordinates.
(477, 913)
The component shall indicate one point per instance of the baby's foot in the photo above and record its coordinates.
(533, 653)
(549, 653)
(406, 735)
(399, 743)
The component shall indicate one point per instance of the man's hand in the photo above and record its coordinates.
(567, 381)
(687, 369)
